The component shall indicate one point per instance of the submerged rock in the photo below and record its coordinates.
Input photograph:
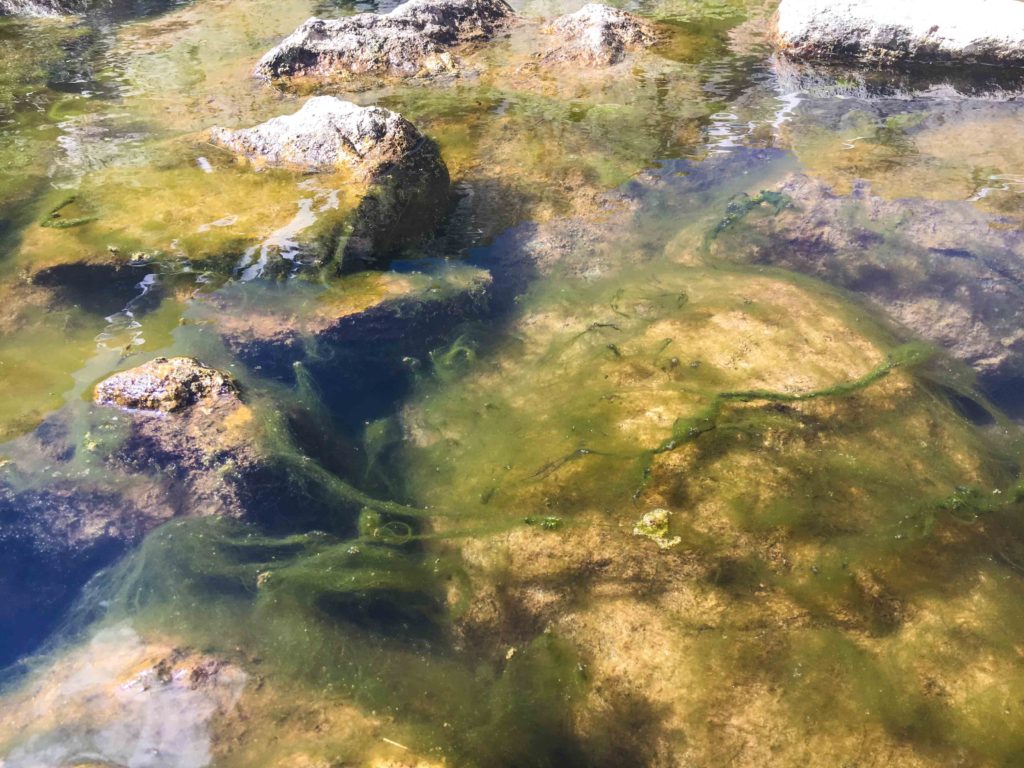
(165, 384)
(120, 700)
(355, 309)
(54, 539)
(598, 35)
(327, 134)
(950, 273)
(985, 31)
(418, 37)
(187, 417)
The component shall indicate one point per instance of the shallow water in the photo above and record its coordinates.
(444, 555)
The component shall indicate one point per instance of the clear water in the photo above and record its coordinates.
(443, 567)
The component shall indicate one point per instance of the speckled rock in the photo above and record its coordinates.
(164, 384)
(982, 31)
(418, 37)
(327, 134)
(598, 35)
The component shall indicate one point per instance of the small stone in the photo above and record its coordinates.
(164, 384)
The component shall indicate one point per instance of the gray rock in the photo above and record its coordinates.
(982, 31)
(42, 8)
(952, 274)
(598, 35)
(188, 416)
(327, 134)
(418, 37)
(409, 182)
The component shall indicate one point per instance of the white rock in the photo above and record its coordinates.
(326, 134)
(972, 31)
(598, 35)
(417, 37)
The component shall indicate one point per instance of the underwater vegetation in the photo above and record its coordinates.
(685, 433)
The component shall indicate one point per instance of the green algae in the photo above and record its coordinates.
(908, 355)
(845, 570)
(58, 217)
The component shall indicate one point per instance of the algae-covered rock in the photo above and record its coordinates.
(773, 429)
(986, 31)
(165, 384)
(597, 35)
(654, 525)
(187, 417)
(327, 134)
(418, 37)
(946, 270)
(353, 308)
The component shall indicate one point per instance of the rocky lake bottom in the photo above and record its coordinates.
(658, 410)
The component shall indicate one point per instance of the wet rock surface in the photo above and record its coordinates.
(419, 37)
(165, 384)
(990, 32)
(597, 35)
(327, 134)
(950, 273)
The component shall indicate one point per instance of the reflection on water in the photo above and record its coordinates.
(691, 291)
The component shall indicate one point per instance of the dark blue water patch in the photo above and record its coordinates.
(46, 560)
(101, 289)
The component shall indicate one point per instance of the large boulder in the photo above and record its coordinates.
(418, 37)
(983, 31)
(597, 35)
(409, 182)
